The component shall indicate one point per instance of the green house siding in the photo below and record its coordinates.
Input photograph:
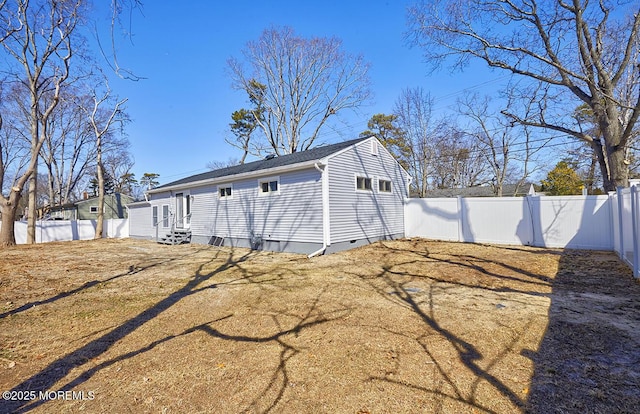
(114, 207)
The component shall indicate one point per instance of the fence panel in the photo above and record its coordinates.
(66, 230)
(582, 222)
(635, 221)
(432, 218)
(626, 219)
(577, 222)
(504, 220)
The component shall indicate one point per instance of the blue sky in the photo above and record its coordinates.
(181, 110)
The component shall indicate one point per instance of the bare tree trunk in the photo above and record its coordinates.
(100, 130)
(9, 209)
(618, 168)
(32, 215)
(35, 153)
(100, 222)
(7, 236)
(591, 174)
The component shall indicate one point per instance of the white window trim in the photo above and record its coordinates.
(228, 185)
(268, 180)
(378, 185)
(93, 209)
(355, 183)
(374, 147)
(155, 218)
(168, 219)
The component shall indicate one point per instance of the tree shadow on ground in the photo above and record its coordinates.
(64, 374)
(397, 285)
(589, 358)
(133, 269)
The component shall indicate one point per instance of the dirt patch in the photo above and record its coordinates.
(399, 326)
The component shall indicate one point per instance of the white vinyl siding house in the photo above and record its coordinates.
(362, 213)
(294, 216)
(306, 202)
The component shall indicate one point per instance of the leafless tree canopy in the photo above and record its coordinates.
(37, 40)
(104, 113)
(41, 44)
(575, 51)
(302, 83)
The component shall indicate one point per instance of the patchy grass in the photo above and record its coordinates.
(399, 326)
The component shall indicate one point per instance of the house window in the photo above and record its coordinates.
(93, 209)
(363, 183)
(384, 186)
(224, 192)
(270, 186)
(165, 215)
(154, 214)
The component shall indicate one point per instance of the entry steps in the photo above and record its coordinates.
(177, 236)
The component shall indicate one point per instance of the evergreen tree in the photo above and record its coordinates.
(562, 180)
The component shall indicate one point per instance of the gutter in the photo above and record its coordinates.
(326, 224)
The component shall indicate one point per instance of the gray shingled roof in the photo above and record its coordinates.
(289, 159)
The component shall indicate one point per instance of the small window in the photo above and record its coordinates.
(154, 213)
(270, 186)
(384, 186)
(374, 147)
(165, 215)
(225, 192)
(363, 183)
(93, 209)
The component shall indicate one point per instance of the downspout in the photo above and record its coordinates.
(326, 229)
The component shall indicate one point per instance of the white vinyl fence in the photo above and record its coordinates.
(626, 226)
(578, 222)
(66, 230)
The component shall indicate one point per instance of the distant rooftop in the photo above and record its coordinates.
(480, 191)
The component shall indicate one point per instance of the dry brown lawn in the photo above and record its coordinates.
(402, 326)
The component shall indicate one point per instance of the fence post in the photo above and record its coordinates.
(634, 230)
(460, 219)
(620, 227)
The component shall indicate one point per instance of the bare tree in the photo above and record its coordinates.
(457, 161)
(413, 111)
(37, 37)
(14, 154)
(68, 151)
(438, 155)
(507, 148)
(300, 84)
(218, 164)
(102, 121)
(118, 163)
(495, 138)
(580, 52)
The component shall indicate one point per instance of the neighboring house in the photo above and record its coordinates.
(87, 209)
(63, 212)
(479, 191)
(325, 199)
